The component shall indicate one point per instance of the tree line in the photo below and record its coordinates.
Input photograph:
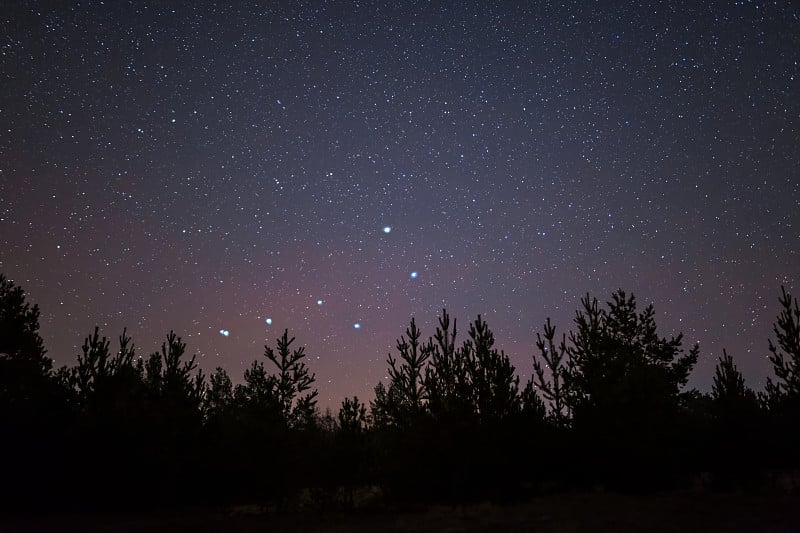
(607, 405)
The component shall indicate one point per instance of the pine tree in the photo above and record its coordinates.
(100, 374)
(728, 387)
(352, 416)
(618, 363)
(219, 397)
(34, 406)
(292, 383)
(623, 385)
(474, 381)
(21, 346)
(174, 383)
(554, 360)
(383, 410)
(403, 401)
(495, 387)
(447, 379)
(785, 355)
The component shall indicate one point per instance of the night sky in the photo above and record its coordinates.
(337, 167)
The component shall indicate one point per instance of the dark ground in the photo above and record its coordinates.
(589, 512)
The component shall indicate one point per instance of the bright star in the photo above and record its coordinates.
(224, 332)
(387, 229)
(268, 321)
(357, 325)
(414, 275)
(319, 302)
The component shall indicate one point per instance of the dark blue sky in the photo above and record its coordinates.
(203, 167)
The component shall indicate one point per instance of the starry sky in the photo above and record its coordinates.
(334, 168)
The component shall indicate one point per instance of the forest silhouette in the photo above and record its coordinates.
(607, 405)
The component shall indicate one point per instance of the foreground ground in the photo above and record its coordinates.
(589, 512)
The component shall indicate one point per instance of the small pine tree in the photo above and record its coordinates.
(293, 382)
(785, 355)
(170, 376)
(257, 393)
(403, 401)
(98, 372)
(495, 386)
(383, 408)
(728, 386)
(532, 407)
(352, 416)
(20, 341)
(219, 395)
(736, 430)
(447, 379)
(553, 358)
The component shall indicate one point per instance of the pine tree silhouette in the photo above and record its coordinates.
(736, 426)
(785, 355)
(495, 387)
(219, 397)
(403, 401)
(20, 342)
(728, 387)
(554, 360)
(624, 389)
(617, 361)
(352, 416)
(447, 379)
(34, 406)
(292, 381)
(782, 395)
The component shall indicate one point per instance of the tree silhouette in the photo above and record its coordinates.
(728, 387)
(617, 361)
(219, 397)
(474, 381)
(34, 406)
(447, 377)
(495, 387)
(532, 407)
(785, 355)
(26, 378)
(292, 381)
(554, 360)
(624, 389)
(99, 374)
(20, 341)
(736, 429)
(782, 395)
(403, 401)
(258, 390)
(352, 416)
(351, 456)
(383, 410)
(171, 376)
